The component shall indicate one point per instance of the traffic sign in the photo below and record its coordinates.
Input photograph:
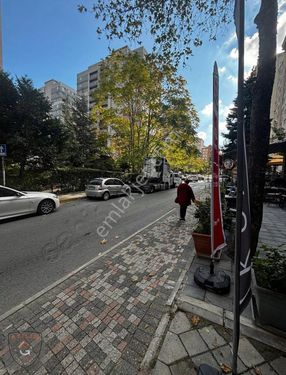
(3, 150)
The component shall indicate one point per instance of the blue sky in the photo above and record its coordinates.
(51, 39)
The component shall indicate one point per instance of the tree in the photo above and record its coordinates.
(32, 136)
(8, 102)
(266, 22)
(146, 104)
(230, 148)
(179, 119)
(81, 146)
(175, 26)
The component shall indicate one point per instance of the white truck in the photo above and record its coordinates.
(156, 175)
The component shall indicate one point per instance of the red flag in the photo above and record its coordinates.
(218, 238)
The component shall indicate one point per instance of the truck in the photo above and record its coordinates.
(156, 175)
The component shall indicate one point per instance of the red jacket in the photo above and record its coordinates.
(185, 194)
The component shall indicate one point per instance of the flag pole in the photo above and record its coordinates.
(239, 17)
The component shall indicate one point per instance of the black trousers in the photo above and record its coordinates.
(183, 210)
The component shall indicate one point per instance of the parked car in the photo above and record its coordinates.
(106, 187)
(193, 178)
(16, 203)
(177, 179)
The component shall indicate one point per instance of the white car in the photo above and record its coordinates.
(106, 187)
(177, 179)
(16, 203)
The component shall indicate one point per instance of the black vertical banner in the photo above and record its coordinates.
(244, 250)
(242, 293)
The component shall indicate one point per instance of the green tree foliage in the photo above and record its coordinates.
(175, 25)
(230, 148)
(145, 109)
(81, 146)
(8, 103)
(32, 136)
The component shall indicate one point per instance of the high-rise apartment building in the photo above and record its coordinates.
(89, 79)
(207, 153)
(278, 100)
(200, 144)
(59, 94)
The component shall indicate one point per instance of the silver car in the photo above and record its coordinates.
(106, 187)
(16, 203)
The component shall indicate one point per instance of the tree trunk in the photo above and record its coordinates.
(266, 21)
(22, 169)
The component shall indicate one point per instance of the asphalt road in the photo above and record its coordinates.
(36, 251)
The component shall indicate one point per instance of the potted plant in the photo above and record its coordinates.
(269, 287)
(202, 232)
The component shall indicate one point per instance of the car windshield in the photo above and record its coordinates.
(98, 181)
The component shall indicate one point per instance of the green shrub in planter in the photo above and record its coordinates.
(203, 214)
(202, 232)
(269, 287)
(270, 270)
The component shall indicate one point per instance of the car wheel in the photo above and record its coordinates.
(152, 189)
(106, 196)
(46, 206)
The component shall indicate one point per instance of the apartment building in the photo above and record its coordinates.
(58, 93)
(207, 153)
(200, 144)
(89, 79)
(278, 100)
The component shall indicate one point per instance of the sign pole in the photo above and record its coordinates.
(3, 171)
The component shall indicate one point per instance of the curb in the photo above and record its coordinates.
(53, 285)
(224, 318)
(69, 199)
(154, 346)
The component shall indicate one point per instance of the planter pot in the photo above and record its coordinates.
(203, 245)
(271, 306)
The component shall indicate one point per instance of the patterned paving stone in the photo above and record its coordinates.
(211, 337)
(161, 369)
(180, 323)
(185, 366)
(264, 370)
(248, 354)
(193, 343)
(223, 355)
(205, 358)
(279, 365)
(124, 368)
(172, 349)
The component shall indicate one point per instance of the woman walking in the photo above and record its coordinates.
(185, 195)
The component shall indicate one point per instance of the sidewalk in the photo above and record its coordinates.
(102, 319)
(192, 340)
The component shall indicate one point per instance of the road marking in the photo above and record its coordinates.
(53, 285)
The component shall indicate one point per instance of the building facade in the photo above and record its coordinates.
(278, 100)
(207, 153)
(58, 94)
(89, 80)
(200, 144)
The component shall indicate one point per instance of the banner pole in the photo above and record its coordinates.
(240, 169)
